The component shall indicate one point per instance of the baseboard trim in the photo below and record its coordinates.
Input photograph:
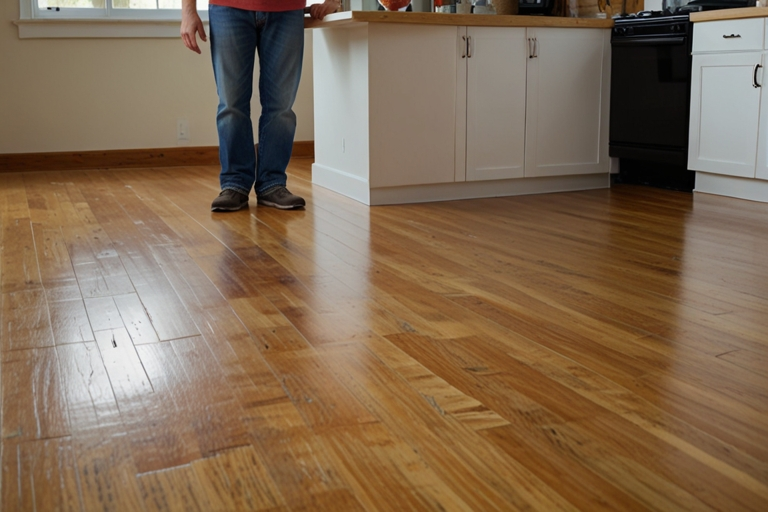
(125, 158)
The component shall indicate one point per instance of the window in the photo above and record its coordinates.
(104, 18)
(119, 9)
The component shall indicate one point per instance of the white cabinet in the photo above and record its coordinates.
(725, 111)
(761, 168)
(411, 108)
(728, 141)
(495, 103)
(534, 102)
(566, 113)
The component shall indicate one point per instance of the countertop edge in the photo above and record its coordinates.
(474, 20)
(730, 14)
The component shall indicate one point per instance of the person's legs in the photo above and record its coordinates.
(281, 50)
(233, 51)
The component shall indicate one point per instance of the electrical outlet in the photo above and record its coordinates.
(182, 129)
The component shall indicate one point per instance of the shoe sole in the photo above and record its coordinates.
(224, 209)
(281, 206)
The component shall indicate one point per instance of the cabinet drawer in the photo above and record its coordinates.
(729, 35)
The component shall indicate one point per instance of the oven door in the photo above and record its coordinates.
(650, 91)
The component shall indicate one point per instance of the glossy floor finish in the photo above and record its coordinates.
(599, 350)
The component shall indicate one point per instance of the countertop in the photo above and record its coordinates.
(474, 20)
(730, 14)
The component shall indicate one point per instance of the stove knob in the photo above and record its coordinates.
(622, 31)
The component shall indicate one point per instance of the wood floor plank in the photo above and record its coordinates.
(107, 476)
(33, 403)
(387, 474)
(478, 474)
(53, 258)
(520, 382)
(300, 462)
(103, 314)
(105, 466)
(26, 321)
(441, 395)
(40, 475)
(237, 480)
(321, 400)
(135, 319)
(18, 260)
(90, 398)
(174, 490)
(126, 373)
(218, 420)
(69, 321)
(168, 316)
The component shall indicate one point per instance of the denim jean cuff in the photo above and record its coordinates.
(236, 189)
(269, 186)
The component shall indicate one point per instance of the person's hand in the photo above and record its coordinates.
(319, 11)
(191, 26)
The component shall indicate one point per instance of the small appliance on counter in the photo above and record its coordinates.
(541, 7)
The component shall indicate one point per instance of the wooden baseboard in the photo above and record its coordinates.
(125, 158)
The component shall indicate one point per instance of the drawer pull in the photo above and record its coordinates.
(732, 36)
(754, 76)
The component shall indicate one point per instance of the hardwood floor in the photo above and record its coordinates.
(599, 350)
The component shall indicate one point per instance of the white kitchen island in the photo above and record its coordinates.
(416, 107)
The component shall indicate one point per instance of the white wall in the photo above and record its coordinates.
(102, 94)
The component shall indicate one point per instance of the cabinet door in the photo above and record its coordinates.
(495, 120)
(567, 105)
(762, 145)
(412, 91)
(725, 110)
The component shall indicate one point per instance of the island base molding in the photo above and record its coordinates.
(732, 186)
(358, 188)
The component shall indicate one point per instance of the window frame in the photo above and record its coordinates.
(106, 23)
(35, 23)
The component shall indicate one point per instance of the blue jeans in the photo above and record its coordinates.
(236, 37)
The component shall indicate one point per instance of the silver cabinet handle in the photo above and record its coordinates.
(533, 48)
(464, 54)
(754, 76)
(732, 36)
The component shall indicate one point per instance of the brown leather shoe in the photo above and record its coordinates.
(280, 197)
(229, 201)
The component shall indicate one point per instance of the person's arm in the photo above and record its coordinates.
(319, 11)
(191, 25)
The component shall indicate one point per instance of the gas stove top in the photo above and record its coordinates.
(652, 18)
(680, 13)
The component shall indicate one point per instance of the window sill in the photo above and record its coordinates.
(98, 28)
